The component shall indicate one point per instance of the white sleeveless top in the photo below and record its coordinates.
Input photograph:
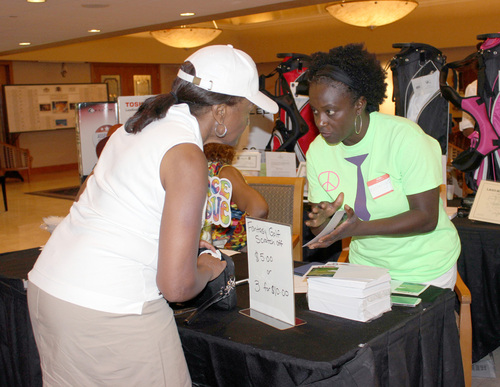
(104, 254)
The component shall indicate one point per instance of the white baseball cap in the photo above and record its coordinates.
(227, 70)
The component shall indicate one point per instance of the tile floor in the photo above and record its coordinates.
(20, 225)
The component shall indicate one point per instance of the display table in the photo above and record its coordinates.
(19, 361)
(407, 346)
(479, 267)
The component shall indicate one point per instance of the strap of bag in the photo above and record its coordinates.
(223, 293)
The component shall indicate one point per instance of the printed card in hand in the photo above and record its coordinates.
(336, 220)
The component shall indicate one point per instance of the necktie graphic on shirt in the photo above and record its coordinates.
(360, 201)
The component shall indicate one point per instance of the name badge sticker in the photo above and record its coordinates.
(380, 186)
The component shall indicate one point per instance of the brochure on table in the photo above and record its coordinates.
(355, 292)
(407, 288)
(486, 206)
(270, 273)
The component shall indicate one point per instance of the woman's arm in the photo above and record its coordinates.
(181, 276)
(422, 217)
(246, 198)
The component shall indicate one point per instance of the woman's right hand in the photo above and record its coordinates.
(211, 264)
(322, 212)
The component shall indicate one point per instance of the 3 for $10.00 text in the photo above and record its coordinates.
(268, 288)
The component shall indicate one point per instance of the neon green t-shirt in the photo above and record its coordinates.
(394, 159)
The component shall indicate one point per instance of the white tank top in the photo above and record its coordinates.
(104, 254)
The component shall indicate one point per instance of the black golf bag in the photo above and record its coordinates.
(482, 160)
(416, 70)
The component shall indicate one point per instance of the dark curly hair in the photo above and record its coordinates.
(354, 66)
(219, 152)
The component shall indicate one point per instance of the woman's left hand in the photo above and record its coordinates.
(204, 245)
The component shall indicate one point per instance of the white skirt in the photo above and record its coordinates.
(84, 347)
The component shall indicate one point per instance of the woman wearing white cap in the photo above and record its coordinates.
(97, 292)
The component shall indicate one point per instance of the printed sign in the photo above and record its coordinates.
(128, 106)
(486, 206)
(270, 269)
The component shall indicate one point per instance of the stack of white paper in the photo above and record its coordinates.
(355, 292)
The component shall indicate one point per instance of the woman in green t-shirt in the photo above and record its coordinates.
(383, 170)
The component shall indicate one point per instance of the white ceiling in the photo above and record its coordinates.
(63, 21)
(443, 23)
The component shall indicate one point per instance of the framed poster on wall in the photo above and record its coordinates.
(32, 108)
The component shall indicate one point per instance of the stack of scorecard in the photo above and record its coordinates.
(355, 292)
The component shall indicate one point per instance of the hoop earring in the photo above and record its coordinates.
(217, 133)
(360, 124)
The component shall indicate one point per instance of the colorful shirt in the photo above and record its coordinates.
(234, 235)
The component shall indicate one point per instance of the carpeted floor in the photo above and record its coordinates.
(68, 193)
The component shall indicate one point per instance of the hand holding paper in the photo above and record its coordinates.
(336, 220)
(320, 213)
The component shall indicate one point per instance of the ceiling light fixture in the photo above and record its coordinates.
(371, 13)
(94, 30)
(35, 1)
(25, 44)
(186, 37)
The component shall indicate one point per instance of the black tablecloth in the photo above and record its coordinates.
(407, 346)
(19, 361)
(479, 267)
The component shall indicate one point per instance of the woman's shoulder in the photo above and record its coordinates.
(402, 134)
(392, 119)
(318, 144)
(399, 126)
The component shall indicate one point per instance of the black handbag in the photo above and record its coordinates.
(219, 293)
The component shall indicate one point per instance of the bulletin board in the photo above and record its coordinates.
(33, 108)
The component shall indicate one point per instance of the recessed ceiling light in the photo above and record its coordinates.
(25, 44)
(35, 1)
(187, 14)
(94, 30)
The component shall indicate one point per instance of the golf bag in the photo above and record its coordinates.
(294, 129)
(416, 70)
(482, 160)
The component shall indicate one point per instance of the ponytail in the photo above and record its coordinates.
(151, 110)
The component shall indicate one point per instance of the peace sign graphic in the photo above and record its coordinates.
(329, 180)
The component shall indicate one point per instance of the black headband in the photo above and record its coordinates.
(334, 72)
